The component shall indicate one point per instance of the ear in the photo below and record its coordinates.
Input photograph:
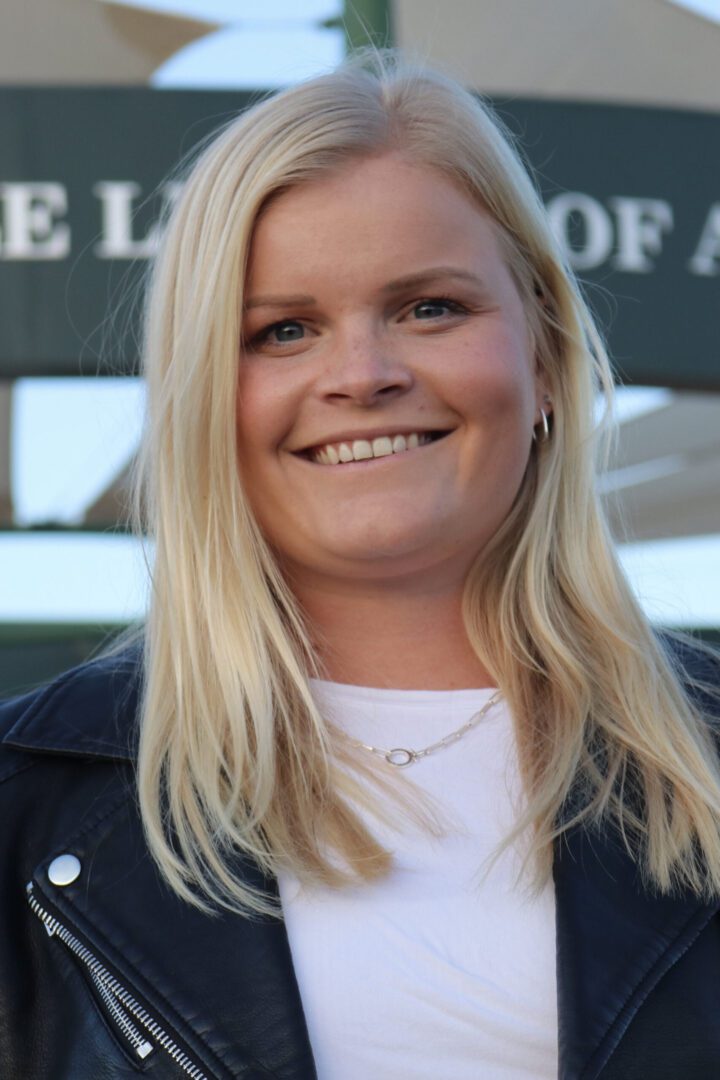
(543, 397)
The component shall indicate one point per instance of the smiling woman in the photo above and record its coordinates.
(396, 780)
(439, 361)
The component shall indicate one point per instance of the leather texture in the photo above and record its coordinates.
(638, 974)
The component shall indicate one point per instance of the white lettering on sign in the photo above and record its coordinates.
(626, 233)
(29, 228)
(640, 227)
(597, 228)
(706, 258)
(117, 212)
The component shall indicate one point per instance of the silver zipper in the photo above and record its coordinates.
(121, 1005)
(137, 1040)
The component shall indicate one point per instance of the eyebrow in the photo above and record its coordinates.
(398, 285)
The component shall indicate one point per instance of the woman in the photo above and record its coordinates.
(419, 791)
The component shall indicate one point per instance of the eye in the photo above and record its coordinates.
(436, 307)
(287, 331)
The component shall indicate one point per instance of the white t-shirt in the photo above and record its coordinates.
(436, 971)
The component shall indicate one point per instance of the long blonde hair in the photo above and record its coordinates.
(235, 759)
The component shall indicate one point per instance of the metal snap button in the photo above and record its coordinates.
(64, 870)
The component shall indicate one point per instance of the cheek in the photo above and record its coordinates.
(262, 411)
(245, 417)
(497, 380)
(254, 422)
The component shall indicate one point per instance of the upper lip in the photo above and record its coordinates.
(369, 434)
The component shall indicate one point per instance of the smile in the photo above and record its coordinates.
(342, 453)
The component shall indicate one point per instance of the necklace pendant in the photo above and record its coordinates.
(400, 757)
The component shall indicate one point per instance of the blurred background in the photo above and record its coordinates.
(616, 104)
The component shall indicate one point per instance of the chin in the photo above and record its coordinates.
(381, 554)
(382, 539)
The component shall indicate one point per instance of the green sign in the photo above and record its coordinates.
(633, 193)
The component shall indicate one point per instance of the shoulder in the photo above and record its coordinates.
(89, 711)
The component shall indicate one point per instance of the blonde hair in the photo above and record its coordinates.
(235, 759)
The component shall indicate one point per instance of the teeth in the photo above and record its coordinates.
(382, 447)
(363, 449)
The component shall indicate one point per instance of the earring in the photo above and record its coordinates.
(545, 435)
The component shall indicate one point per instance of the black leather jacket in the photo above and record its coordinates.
(105, 973)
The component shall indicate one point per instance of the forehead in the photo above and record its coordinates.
(380, 209)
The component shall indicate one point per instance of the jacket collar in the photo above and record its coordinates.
(87, 712)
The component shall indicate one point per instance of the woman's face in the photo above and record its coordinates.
(387, 386)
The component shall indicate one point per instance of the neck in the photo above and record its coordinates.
(390, 635)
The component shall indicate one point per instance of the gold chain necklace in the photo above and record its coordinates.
(401, 757)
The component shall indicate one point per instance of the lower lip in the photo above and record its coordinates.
(355, 466)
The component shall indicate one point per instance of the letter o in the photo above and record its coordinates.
(597, 224)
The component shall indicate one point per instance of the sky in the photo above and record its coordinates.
(710, 9)
(70, 437)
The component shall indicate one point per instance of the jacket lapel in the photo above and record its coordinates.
(615, 941)
(223, 984)
(615, 938)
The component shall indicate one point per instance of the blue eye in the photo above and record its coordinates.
(280, 330)
(436, 307)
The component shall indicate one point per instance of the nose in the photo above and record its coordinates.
(364, 369)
